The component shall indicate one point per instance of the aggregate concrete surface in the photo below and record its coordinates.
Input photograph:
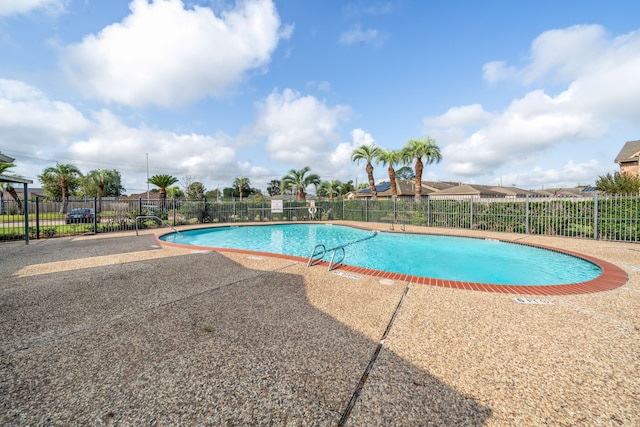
(116, 330)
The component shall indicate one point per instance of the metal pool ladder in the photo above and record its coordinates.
(319, 251)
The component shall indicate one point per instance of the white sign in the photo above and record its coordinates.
(276, 206)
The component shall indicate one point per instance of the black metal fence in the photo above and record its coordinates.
(615, 218)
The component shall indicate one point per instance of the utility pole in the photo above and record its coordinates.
(147, 178)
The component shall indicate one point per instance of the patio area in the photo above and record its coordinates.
(114, 329)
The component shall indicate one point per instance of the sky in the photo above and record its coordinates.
(529, 94)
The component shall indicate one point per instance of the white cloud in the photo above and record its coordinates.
(299, 129)
(464, 116)
(164, 54)
(207, 158)
(571, 174)
(496, 71)
(340, 159)
(602, 89)
(14, 7)
(557, 55)
(565, 54)
(27, 118)
(363, 36)
(38, 132)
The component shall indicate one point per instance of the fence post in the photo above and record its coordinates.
(366, 209)
(395, 211)
(595, 216)
(139, 206)
(37, 217)
(526, 216)
(471, 212)
(95, 215)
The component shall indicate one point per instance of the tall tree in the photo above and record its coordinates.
(300, 180)
(195, 191)
(417, 149)
(273, 189)
(63, 175)
(103, 182)
(346, 187)
(243, 184)
(6, 186)
(163, 182)
(367, 153)
(391, 158)
(330, 188)
(175, 192)
(405, 173)
(618, 183)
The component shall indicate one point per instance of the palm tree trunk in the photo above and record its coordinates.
(162, 192)
(15, 197)
(100, 193)
(417, 191)
(392, 181)
(65, 196)
(372, 182)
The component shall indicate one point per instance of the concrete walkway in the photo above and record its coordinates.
(115, 330)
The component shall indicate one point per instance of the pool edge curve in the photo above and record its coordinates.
(611, 276)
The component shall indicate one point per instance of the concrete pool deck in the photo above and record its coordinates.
(114, 330)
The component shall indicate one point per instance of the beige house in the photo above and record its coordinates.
(629, 157)
(482, 191)
(403, 189)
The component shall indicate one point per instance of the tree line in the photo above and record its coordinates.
(62, 181)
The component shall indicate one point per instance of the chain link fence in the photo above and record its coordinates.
(615, 218)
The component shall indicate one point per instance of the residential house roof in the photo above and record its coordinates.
(629, 152)
(404, 188)
(33, 192)
(512, 191)
(6, 159)
(468, 190)
(15, 180)
(564, 192)
(153, 195)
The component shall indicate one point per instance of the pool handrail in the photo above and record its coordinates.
(313, 259)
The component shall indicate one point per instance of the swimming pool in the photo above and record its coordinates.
(457, 259)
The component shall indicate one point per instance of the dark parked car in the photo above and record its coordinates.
(80, 215)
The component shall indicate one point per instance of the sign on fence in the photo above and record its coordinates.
(276, 206)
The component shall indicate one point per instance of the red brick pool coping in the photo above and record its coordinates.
(612, 276)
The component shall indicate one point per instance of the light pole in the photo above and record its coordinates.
(147, 178)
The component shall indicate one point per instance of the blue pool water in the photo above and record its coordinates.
(441, 257)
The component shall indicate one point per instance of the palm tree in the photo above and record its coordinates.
(417, 149)
(100, 178)
(300, 180)
(6, 186)
(369, 154)
(242, 183)
(391, 158)
(175, 192)
(330, 188)
(163, 182)
(64, 174)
